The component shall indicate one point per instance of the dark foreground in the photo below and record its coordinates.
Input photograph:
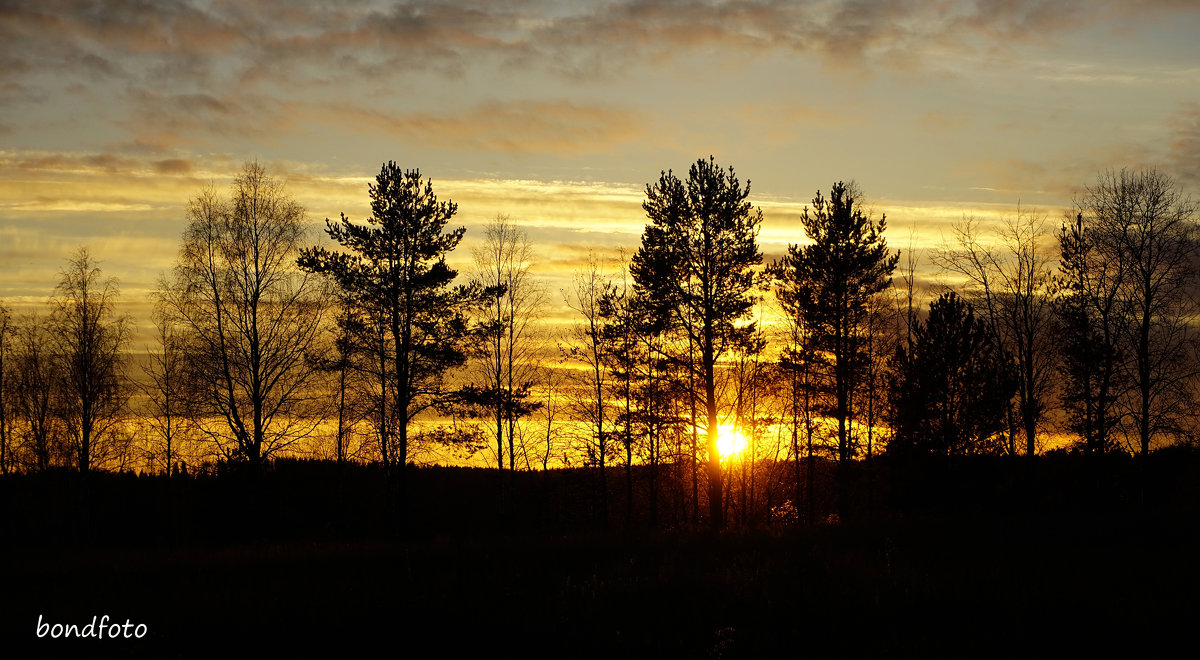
(1047, 576)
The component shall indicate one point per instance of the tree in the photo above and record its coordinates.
(551, 378)
(952, 388)
(587, 345)
(826, 286)
(6, 337)
(620, 331)
(166, 393)
(395, 267)
(33, 384)
(1143, 228)
(249, 318)
(351, 364)
(800, 363)
(659, 391)
(1090, 279)
(1011, 286)
(507, 361)
(752, 381)
(88, 341)
(696, 260)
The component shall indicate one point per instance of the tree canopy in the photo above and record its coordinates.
(951, 392)
(826, 286)
(696, 260)
(394, 267)
(249, 316)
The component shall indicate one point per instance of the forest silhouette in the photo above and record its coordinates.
(885, 455)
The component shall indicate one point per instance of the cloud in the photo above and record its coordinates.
(511, 127)
(936, 121)
(1184, 145)
(1057, 178)
(172, 74)
(265, 43)
(173, 166)
(160, 122)
(73, 162)
(784, 123)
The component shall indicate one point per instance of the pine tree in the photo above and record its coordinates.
(696, 259)
(953, 388)
(395, 266)
(826, 287)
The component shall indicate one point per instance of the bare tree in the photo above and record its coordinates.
(1087, 301)
(88, 344)
(166, 394)
(33, 384)
(250, 317)
(6, 337)
(507, 358)
(1148, 227)
(1011, 288)
(552, 379)
(586, 346)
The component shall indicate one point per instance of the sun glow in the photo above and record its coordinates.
(730, 441)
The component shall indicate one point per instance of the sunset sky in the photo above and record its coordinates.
(113, 114)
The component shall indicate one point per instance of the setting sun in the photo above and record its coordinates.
(730, 440)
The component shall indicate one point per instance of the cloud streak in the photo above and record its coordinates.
(259, 41)
(182, 74)
(509, 127)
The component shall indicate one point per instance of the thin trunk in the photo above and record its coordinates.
(796, 437)
(695, 455)
(808, 431)
(715, 513)
(601, 441)
(341, 428)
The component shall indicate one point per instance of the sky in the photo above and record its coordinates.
(114, 113)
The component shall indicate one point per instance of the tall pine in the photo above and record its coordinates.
(826, 287)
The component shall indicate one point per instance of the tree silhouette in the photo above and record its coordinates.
(6, 337)
(351, 368)
(395, 267)
(696, 260)
(826, 286)
(1143, 225)
(249, 318)
(952, 389)
(588, 344)
(506, 354)
(1088, 287)
(1011, 287)
(165, 388)
(800, 363)
(88, 345)
(33, 384)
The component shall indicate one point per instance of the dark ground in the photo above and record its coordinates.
(989, 558)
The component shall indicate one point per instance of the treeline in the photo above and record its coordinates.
(695, 373)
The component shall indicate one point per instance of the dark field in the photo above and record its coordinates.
(993, 557)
